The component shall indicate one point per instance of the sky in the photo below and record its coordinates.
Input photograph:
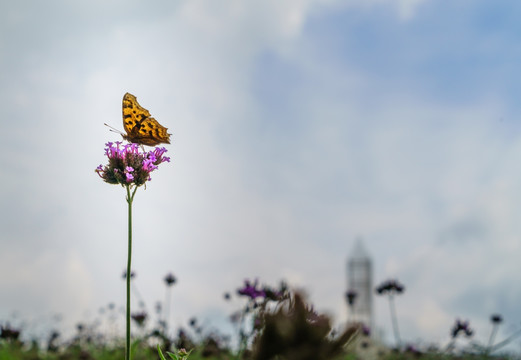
(297, 127)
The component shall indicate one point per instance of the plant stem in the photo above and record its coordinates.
(167, 308)
(506, 341)
(130, 198)
(394, 321)
(492, 337)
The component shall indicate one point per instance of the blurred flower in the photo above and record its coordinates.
(351, 297)
(390, 287)
(461, 327)
(250, 290)
(496, 319)
(366, 330)
(9, 333)
(132, 274)
(170, 279)
(52, 345)
(192, 322)
(227, 296)
(140, 318)
(128, 165)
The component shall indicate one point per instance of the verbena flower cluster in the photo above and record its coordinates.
(128, 165)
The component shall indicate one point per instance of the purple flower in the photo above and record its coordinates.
(250, 290)
(128, 165)
(128, 173)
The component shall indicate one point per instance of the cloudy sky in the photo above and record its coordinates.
(297, 127)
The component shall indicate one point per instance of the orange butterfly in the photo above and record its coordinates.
(140, 127)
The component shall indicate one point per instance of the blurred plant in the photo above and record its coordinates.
(180, 354)
(496, 320)
(296, 332)
(250, 290)
(140, 318)
(129, 167)
(350, 299)
(392, 288)
(169, 280)
(135, 290)
(132, 275)
(459, 327)
(52, 342)
(258, 298)
(9, 333)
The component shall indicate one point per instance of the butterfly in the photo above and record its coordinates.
(140, 127)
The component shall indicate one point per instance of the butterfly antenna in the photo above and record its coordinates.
(113, 129)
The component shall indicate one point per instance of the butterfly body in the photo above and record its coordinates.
(139, 126)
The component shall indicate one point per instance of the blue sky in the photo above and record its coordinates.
(297, 127)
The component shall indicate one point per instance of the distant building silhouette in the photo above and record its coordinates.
(360, 280)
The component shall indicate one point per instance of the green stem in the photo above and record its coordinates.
(130, 198)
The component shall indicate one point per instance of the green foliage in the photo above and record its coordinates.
(181, 354)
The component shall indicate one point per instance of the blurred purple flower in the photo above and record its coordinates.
(250, 290)
(366, 330)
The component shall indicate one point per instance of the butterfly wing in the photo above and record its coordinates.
(139, 126)
(133, 113)
(149, 132)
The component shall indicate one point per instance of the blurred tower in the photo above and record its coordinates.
(360, 280)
